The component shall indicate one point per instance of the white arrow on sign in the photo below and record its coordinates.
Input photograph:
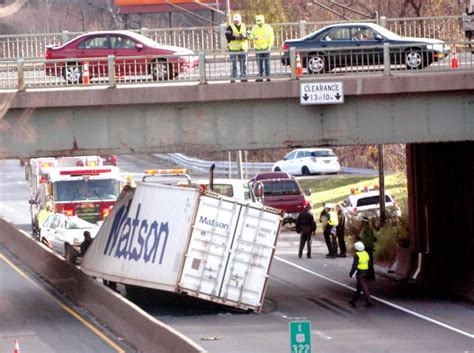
(321, 93)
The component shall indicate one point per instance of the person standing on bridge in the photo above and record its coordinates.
(305, 226)
(263, 40)
(360, 267)
(236, 35)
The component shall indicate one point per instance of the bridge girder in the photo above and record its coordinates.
(240, 124)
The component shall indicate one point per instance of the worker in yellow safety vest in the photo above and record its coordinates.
(263, 39)
(44, 213)
(238, 44)
(360, 269)
(330, 231)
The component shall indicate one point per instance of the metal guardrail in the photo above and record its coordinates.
(33, 46)
(112, 71)
(222, 167)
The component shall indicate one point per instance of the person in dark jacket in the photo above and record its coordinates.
(359, 269)
(367, 237)
(305, 226)
(86, 243)
(340, 231)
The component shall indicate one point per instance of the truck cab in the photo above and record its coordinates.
(282, 191)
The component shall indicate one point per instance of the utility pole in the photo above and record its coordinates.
(228, 11)
(239, 165)
(382, 187)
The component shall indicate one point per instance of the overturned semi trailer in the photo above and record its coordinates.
(186, 240)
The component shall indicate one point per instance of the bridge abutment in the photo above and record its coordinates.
(441, 222)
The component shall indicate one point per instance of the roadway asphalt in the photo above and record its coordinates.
(317, 290)
(40, 318)
(404, 319)
(43, 321)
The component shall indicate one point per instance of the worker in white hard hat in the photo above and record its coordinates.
(238, 44)
(360, 269)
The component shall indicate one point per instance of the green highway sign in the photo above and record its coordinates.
(300, 336)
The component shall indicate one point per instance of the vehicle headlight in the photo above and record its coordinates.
(440, 47)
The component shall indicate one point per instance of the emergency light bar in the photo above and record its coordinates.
(47, 165)
(365, 189)
(165, 171)
(85, 172)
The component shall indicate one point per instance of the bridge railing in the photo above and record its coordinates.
(212, 38)
(217, 66)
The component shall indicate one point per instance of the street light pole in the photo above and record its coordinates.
(382, 186)
(228, 10)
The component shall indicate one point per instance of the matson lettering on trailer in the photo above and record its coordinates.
(135, 238)
(213, 223)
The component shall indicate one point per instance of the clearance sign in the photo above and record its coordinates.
(157, 2)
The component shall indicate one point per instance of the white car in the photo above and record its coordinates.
(60, 232)
(307, 161)
(366, 203)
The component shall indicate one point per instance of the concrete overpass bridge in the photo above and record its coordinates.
(431, 112)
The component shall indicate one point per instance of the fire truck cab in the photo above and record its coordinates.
(88, 192)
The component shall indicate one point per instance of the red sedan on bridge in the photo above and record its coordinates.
(136, 55)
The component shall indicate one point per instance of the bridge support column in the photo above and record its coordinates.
(441, 224)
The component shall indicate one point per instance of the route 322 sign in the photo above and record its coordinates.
(300, 336)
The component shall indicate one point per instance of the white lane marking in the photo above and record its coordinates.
(321, 334)
(393, 305)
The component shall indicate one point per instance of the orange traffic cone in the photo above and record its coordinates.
(85, 74)
(454, 59)
(17, 347)
(299, 67)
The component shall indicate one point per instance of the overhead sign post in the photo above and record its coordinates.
(300, 336)
(321, 93)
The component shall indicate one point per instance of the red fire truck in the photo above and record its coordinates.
(88, 192)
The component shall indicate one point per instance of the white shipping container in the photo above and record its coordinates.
(143, 240)
(230, 252)
(179, 239)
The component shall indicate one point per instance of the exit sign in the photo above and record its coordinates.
(300, 336)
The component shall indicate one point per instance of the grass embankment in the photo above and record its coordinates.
(336, 189)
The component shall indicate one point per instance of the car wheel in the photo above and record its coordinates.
(316, 64)
(277, 169)
(161, 70)
(46, 242)
(414, 59)
(72, 73)
(305, 171)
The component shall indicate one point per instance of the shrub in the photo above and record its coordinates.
(389, 238)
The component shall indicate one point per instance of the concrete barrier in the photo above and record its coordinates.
(122, 317)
